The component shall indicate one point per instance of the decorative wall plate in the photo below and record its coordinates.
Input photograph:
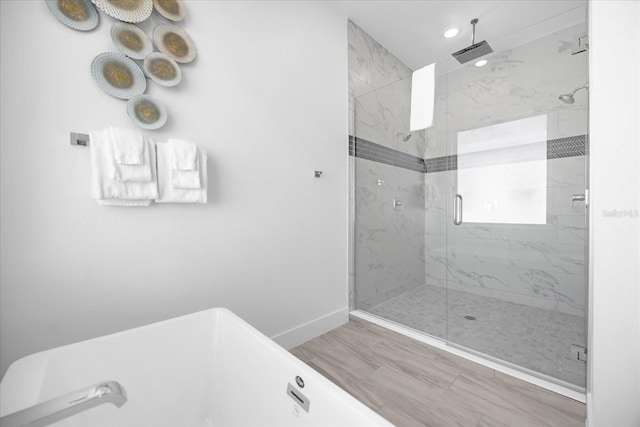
(118, 75)
(146, 112)
(173, 10)
(126, 10)
(162, 69)
(175, 42)
(80, 15)
(131, 40)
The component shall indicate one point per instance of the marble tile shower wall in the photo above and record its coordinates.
(537, 265)
(388, 258)
(371, 66)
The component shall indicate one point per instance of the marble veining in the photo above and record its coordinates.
(398, 253)
(518, 83)
(540, 265)
(371, 65)
(389, 244)
(382, 116)
(389, 247)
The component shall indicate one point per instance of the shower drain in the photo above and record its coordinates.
(469, 317)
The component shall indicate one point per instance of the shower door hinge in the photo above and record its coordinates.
(580, 43)
(578, 353)
(586, 197)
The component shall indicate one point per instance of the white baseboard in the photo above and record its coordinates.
(316, 327)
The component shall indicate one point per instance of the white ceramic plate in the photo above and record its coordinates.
(174, 42)
(118, 75)
(80, 15)
(126, 10)
(131, 40)
(173, 10)
(146, 112)
(162, 69)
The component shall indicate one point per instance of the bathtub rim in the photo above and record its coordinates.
(31, 368)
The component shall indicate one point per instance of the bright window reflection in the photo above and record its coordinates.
(502, 172)
(423, 95)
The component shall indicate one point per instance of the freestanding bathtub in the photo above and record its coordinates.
(204, 369)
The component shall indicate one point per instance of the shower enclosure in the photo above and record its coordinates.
(474, 231)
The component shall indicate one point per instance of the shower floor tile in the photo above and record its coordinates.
(534, 338)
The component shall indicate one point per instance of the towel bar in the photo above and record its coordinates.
(79, 139)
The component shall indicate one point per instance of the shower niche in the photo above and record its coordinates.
(488, 253)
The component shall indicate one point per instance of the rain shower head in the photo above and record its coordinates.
(475, 51)
(567, 98)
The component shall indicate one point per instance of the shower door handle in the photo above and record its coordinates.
(457, 209)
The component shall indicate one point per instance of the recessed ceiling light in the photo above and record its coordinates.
(481, 63)
(451, 32)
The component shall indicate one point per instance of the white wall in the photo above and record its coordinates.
(613, 392)
(266, 97)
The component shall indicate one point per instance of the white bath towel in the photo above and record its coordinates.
(128, 146)
(184, 154)
(127, 172)
(167, 193)
(130, 203)
(108, 190)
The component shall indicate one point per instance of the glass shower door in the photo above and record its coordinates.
(516, 228)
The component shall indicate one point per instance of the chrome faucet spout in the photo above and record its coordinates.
(59, 408)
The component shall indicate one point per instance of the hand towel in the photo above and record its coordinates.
(135, 173)
(127, 172)
(167, 193)
(128, 146)
(184, 178)
(185, 154)
(104, 188)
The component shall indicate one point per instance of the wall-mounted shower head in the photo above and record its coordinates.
(567, 98)
(405, 136)
(475, 51)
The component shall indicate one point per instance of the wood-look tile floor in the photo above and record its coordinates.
(413, 384)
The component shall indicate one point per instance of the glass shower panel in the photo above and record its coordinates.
(391, 223)
(516, 267)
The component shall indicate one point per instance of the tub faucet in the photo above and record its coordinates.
(56, 409)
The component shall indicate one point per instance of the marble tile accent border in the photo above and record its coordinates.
(441, 164)
(364, 149)
(567, 147)
(571, 146)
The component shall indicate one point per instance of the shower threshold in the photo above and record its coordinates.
(549, 383)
